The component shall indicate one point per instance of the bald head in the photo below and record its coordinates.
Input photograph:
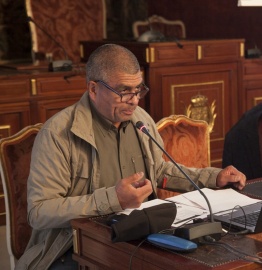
(109, 59)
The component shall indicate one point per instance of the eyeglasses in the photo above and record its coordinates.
(127, 96)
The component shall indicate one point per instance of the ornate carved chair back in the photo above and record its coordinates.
(67, 24)
(170, 29)
(15, 157)
(186, 140)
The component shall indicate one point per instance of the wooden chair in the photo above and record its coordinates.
(68, 23)
(15, 157)
(170, 29)
(187, 141)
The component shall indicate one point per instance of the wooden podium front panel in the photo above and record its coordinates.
(251, 93)
(13, 117)
(169, 54)
(194, 52)
(14, 104)
(44, 109)
(14, 89)
(218, 83)
(220, 50)
(60, 86)
(55, 93)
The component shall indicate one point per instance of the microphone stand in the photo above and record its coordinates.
(58, 65)
(197, 231)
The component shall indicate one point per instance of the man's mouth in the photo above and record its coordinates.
(128, 112)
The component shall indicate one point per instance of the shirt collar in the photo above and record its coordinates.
(103, 122)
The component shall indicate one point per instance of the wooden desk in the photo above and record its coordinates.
(94, 250)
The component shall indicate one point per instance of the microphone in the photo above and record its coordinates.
(58, 65)
(179, 45)
(207, 231)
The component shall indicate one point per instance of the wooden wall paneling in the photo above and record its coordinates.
(13, 117)
(251, 84)
(60, 85)
(253, 94)
(32, 97)
(14, 88)
(14, 104)
(197, 52)
(48, 108)
(55, 93)
(216, 19)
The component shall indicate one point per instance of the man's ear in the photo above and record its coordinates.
(91, 88)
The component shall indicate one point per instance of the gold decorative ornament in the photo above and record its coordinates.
(200, 110)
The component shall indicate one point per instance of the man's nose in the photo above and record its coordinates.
(134, 100)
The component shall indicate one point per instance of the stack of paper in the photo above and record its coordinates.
(192, 204)
(249, 3)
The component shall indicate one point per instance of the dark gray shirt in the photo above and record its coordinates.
(119, 150)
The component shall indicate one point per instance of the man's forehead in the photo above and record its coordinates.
(126, 79)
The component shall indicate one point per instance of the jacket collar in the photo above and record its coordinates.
(82, 125)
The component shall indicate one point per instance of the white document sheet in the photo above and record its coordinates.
(249, 3)
(191, 205)
(220, 200)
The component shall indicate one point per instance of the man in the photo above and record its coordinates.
(242, 146)
(89, 159)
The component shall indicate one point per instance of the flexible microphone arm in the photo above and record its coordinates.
(209, 231)
(30, 19)
(143, 128)
(179, 45)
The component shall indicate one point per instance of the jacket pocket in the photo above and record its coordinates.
(30, 258)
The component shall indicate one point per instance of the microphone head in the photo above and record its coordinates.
(140, 125)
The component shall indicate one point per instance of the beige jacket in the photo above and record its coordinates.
(64, 180)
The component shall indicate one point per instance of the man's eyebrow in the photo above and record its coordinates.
(123, 87)
(128, 86)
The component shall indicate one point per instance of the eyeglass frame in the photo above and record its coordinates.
(146, 90)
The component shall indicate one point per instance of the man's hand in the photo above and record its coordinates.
(230, 175)
(132, 191)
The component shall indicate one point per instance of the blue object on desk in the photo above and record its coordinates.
(171, 242)
(115, 218)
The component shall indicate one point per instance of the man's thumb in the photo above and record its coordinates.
(135, 177)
